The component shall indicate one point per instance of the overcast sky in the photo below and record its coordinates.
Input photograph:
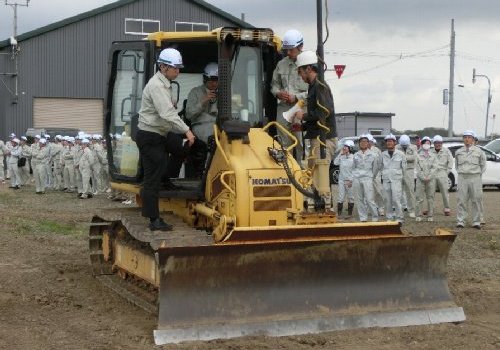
(396, 52)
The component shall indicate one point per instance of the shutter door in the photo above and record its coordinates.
(74, 113)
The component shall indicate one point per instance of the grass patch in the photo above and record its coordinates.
(43, 226)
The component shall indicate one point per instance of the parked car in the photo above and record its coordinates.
(493, 146)
(491, 176)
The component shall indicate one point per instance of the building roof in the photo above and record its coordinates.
(109, 7)
(365, 114)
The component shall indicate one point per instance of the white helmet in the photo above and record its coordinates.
(469, 133)
(211, 71)
(404, 140)
(364, 136)
(372, 139)
(306, 58)
(349, 143)
(424, 139)
(437, 138)
(291, 39)
(390, 137)
(171, 57)
(42, 141)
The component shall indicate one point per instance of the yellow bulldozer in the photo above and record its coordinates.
(249, 254)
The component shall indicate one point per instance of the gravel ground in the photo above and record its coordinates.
(49, 299)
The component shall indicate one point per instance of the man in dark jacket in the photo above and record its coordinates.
(320, 116)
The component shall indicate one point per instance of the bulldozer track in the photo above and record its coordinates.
(138, 292)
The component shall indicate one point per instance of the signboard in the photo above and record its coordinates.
(339, 69)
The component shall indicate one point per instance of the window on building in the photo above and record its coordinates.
(191, 27)
(375, 131)
(141, 26)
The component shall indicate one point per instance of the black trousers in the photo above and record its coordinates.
(162, 159)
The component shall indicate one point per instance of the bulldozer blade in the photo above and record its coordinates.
(303, 286)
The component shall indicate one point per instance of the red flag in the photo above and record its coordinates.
(339, 69)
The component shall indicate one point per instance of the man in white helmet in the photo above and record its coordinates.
(320, 107)
(15, 153)
(40, 157)
(288, 87)
(393, 164)
(426, 171)
(366, 166)
(410, 152)
(470, 162)
(158, 120)
(345, 162)
(201, 106)
(377, 181)
(444, 165)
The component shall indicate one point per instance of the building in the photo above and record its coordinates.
(357, 123)
(62, 68)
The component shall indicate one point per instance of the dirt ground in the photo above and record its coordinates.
(49, 299)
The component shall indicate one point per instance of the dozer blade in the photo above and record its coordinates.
(305, 283)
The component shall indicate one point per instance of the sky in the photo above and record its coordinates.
(396, 52)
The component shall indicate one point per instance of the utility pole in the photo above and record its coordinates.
(14, 6)
(13, 42)
(474, 75)
(452, 79)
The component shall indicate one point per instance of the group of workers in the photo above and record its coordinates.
(377, 183)
(406, 177)
(71, 164)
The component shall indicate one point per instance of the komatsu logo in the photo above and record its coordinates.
(271, 182)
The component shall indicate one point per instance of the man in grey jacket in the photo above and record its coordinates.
(157, 119)
(444, 165)
(470, 162)
(201, 106)
(393, 165)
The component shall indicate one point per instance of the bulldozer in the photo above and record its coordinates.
(255, 249)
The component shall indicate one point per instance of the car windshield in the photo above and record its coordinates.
(494, 146)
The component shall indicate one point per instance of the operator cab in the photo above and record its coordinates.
(250, 65)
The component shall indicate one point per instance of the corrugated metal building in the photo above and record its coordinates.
(62, 68)
(357, 123)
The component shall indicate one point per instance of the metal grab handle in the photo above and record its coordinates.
(217, 142)
(288, 133)
(324, 127)
(224, 183)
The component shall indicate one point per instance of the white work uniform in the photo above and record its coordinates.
(96, 168)
(426, 169)
(55, 159)
(77, 154)
(85, 165)
(377, 184)
(470, 163)
(393, 167)
(410, 152)
(444, 160)
(345, 162)
(41, 157)
(15, 175)
(365, 168)
(67, 159)
(201, 114)
(286, 78)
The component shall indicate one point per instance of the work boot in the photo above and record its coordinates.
(159, 225)
(339, 208)
(350, 208)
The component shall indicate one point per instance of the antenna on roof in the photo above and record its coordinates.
(14, 45)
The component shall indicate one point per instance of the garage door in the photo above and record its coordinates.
(74, 113)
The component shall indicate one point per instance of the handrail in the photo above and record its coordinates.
(224, 183)
(288, 133)
(219, 146)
